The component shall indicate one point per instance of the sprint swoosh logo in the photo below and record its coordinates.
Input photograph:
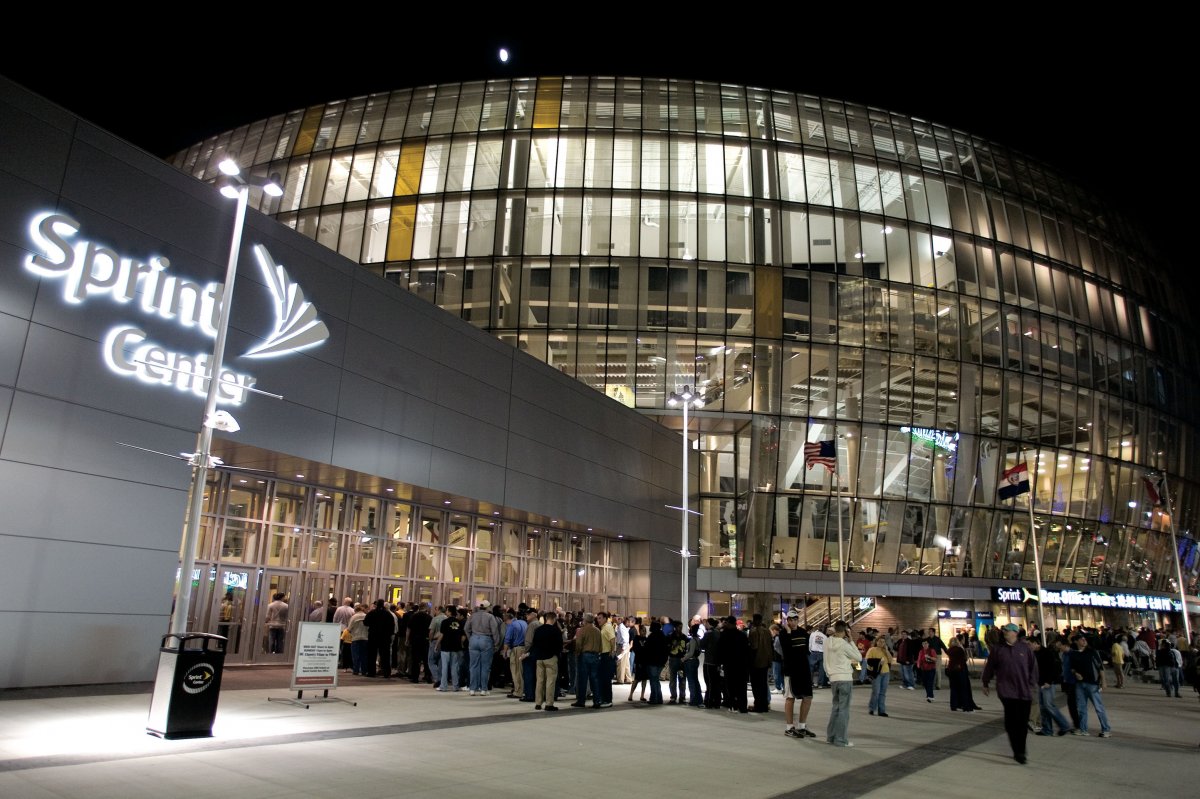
(296, 324)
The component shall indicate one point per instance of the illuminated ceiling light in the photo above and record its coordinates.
(858, 255)
(229, 167)
(1133, 503)
(241, 481)
(390, 490)
(445, 502)
(887, 230)
(1126, 443)
(300, 476)
(944, 311)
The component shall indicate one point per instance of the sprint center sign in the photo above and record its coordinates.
(88, 271)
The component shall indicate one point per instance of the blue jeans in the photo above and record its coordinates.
(691, 668)
(529, 674)
(655, 685)
(358, 656)
(449, 668)
(482, 647)
(816, 665)
(1085, 692)
(433, 661)
(906, 675)
(1168, 678)
(839, 714)
(589, 677)
(1051, 715)
(879, 686)
(776, 674)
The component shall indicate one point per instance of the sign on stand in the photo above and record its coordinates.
(317, 647)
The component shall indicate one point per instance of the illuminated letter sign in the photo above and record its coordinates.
(90, 270)
(940, 439)
(1072, 597)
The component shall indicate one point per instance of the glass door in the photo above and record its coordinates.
(318, 590)
(276, 624)
(359, 590)
(228, 612)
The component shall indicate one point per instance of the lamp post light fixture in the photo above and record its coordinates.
(686, 398)
(235, 186)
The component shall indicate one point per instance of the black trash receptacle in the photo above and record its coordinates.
(187, 686)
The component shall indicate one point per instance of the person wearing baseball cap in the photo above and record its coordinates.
(1014, 667)
(797, 679)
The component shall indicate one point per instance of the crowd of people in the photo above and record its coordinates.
(544, 657)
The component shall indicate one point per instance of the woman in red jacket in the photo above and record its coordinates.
(927, 663)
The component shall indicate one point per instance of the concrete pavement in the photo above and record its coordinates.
(409, 740)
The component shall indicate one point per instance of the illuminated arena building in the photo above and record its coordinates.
(940, 307)
(935, 308)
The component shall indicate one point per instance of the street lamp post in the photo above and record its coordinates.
(686, 398)
(237, 187)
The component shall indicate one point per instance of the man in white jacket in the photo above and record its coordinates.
(841, 658)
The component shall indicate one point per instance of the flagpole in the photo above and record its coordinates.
(841, 549)
(1166, 498)
(1037, 565)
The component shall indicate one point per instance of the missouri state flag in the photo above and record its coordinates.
(1014, 481)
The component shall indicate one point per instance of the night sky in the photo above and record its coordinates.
(1102, 102)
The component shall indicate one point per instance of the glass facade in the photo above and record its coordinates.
(940, 306)
(260, 537)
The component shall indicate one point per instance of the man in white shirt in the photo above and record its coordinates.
(816, 658)
(624, 676)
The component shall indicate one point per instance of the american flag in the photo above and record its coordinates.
(822, 453)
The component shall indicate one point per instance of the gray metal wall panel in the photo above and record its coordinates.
(36, 136)
(373, 451)
(12, 347)
(73, 506)
(73, 437)
(119, 648)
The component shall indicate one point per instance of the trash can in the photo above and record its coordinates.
(187, 686)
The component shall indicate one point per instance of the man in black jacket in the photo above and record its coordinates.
(735, 659)
(381, 626)
(417, 634)
(654, 654)
(712, 665)
(1049, 675)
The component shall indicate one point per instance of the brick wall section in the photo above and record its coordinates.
(903, 614)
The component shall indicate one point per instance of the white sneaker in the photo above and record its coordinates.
(483, 693)
(472, 693)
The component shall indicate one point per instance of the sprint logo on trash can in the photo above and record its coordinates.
(198, 678)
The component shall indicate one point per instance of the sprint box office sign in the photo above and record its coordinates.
(153, 293)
